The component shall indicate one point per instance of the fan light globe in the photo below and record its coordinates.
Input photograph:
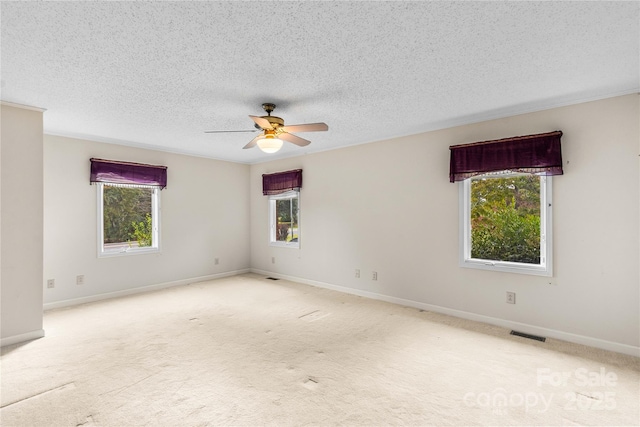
(270, 144)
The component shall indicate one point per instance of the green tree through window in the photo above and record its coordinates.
(284, 224)
(127, 214)
(505, 218)
(287, 218)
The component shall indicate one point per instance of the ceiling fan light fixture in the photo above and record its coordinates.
(270, 144)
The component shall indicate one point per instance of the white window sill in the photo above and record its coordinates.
(127, 252)
(295, 245)
(507, 267)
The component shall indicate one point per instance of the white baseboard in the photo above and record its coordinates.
(139, 290)
(16, 339)
(508, 324)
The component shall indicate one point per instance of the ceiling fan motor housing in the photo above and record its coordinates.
(276, 122)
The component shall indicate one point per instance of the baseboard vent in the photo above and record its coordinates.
(531, 337)
(272, 278)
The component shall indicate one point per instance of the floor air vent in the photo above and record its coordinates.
(272, 278)
(531, 337)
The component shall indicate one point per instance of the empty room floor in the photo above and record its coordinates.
(245, 350)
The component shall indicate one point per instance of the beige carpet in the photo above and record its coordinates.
(249, 351)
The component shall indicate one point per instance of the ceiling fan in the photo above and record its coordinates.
(274, 132)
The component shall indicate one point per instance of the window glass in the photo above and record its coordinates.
(284, 223)
(128, 219)
(505, 222)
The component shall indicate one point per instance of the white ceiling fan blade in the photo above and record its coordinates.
(300, 142)
(309, 127)
(263, 123)
(252, 143)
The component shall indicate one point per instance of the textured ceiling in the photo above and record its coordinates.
(158, 74)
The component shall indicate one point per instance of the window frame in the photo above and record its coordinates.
(155, 222)
(272, 219)
(545, 268)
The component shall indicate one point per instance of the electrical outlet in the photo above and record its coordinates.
(357, 273)
(511, 297)
(216, 261)
(273, 260)
(374, 276)
(51, 283)
(80, 279)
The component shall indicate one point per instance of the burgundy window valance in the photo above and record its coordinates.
(538, 154)
(281, 182)
(115, 172)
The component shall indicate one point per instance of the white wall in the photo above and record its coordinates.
(389, 207)
(21, 224)
(205, 215)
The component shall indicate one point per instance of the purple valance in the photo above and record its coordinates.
(538, 154)
(115, 172)
(281, 182)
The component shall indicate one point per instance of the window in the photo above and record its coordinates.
(283, 189)
(284, 222)
(505, 223)
(505, 201)
(128, 206)
(128, 219)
